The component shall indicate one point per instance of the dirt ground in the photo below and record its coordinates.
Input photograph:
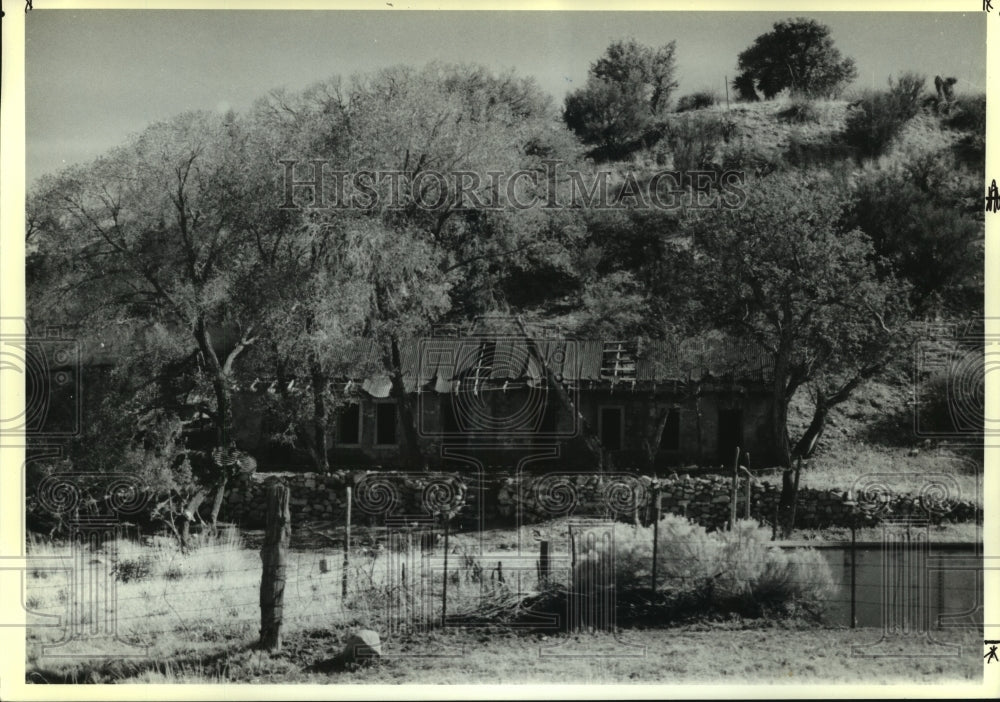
(710, 652)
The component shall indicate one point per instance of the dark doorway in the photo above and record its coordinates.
(670, 440)
(730, 434)
(349, 425)
(611, 429)
(449, 416)
(385, 423)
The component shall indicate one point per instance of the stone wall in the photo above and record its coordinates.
(509, 500)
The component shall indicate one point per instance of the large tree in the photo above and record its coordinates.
(784, 273)
(147, 246)
(797, 55)
(627, 93)
(425, 248)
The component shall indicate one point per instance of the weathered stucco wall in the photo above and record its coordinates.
(524, 418)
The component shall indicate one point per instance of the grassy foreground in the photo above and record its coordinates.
(718, 653)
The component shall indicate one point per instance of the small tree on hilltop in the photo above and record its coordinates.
(627, 92)
(797, 55)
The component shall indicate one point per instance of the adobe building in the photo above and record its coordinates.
(493, 398)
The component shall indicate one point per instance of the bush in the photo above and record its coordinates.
(700, 572)
(968, 113)
(878, 117)
(911, 208)
(747, 156)
(951, 402)
(132, 569)
(800, 111)
(759, 578)
(697, 101)
(694, 141)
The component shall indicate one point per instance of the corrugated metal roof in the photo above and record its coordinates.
(591, 355)
(441, 364)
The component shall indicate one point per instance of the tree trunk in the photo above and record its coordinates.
(779, 428)
(587, 436)
(319, 385)
(220, 492)
(656, 436)
(220, 385)
(781, 393)
(786, 502)
(806, 445)
(412, 449)
(697, 417)
(824, 403)
(189, 515)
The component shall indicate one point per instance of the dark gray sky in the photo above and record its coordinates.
(94, 77)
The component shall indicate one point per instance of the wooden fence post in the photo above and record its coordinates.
(572, 547)
(854, 575)
(347, 546)
(795, 497)
(735, 490)
(274, 557)
(444, 590)
(749, 481)
(543, 562)
(656, 532)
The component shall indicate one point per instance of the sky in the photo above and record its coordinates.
(95, 77)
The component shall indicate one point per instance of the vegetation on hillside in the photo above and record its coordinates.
(861, 224)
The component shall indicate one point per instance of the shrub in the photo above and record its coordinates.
(968, 113)
(132, 569)
(174, 571)
(907, 91)
(700, 572)
(951, 402)
(911, 209)
(800, 111)
(759, 578)
(695, 140)
(697, 101)
(747, 156)
(878, 117)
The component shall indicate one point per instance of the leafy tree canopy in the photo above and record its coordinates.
(797, 55)
(627, 92)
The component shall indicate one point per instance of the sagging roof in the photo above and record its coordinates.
(453, 364)
(447, 365)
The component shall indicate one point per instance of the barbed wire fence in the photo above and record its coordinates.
(401, 578)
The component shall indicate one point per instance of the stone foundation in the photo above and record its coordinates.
(505, 500)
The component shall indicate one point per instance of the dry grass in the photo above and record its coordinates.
(177, 602)
(903, 472)
(197, 614)
(717, 653)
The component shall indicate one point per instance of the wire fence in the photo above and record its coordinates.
(412, 581)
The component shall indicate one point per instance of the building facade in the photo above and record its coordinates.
(500, 401)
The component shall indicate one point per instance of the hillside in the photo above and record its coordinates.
(940, 151)
(799, 133)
